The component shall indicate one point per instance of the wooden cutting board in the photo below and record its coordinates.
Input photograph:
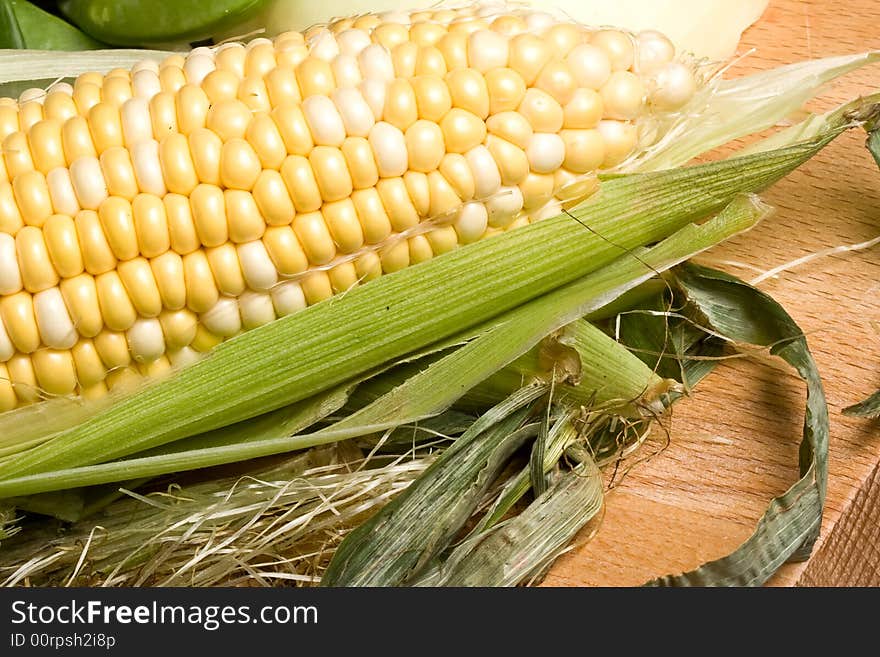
(733, 445)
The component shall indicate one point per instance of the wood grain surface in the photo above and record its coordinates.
(733, 445)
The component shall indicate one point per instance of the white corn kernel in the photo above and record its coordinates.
(56, 328)
(146, 340)
(148, 168)
(471, 222)
(197, 66)
(145, 65)
(654, 51)
(288, 298)
(256, 309)
(60, 87)
(352, 41)
(674, 86)
(184, 356)
(324, 121)
(223, 318)
(356, 113)
(504, 206)
(346, 71)
(88, 182)
(546, 151)
(10, 274)
(389, 148)
(487, 177)
(376, 63)
(136, 126)
(323, 46)
(61, 192)
(256, 265)
(374, 92)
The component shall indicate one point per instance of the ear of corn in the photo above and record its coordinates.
(149, 214)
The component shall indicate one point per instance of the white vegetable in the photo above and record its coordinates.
(707, 28)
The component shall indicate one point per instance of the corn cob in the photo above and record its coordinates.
(147, 215)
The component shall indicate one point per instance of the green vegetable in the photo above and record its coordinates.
(43, 31)
(10, 30)
(136, 23)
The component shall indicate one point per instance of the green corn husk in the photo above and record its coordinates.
(563, 433)
(730, 109)
(522, 548)
(426, 393)
(34, 65)
(790, 526)
(868, 408)
(395, 544)
(306, 353)
(570, 358)
(777, 537)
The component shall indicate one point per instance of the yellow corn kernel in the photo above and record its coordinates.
(150, 225)
(224, 264)
(117, 222)
(179, 327)
(118, 172)
(37, 271)
(137, 277)
(81, 298)
(54, 371)
(272, 198)
(201, 292)
(243, 216)
(168, 272)
(116, 307)
(90, 369)
(285, 250)
(59, 232)
(191, 106)
(23, 378)
(177, 164)
(47, 151)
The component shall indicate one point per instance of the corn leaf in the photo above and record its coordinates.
(588, 367)
(670, 344)
(791, 524)
(65, 505)
(870, 407)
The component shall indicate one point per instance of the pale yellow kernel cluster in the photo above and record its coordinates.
(147, 215)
